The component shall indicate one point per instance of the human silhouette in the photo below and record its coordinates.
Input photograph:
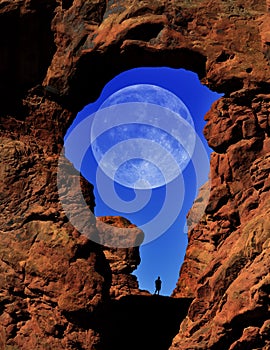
(158, 285)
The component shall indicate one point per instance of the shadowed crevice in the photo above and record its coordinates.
(144, 32)
(141, 322)
(27, 47)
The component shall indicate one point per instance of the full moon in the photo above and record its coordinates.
(152, 94)
(143, 136)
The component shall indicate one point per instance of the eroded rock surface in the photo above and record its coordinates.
(122, 261)
(56, 56)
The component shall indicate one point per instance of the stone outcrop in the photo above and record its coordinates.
(122, 261)
(227, 261)
(56, 56)
(51, 275)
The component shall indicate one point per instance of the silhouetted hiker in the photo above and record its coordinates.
(158, 285)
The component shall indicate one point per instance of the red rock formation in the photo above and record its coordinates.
(228, 253)
(123, 261)
(56, 56)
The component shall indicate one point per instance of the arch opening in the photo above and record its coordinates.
(87, 84)
(163, 254)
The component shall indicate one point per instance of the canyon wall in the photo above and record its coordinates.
(56, 56)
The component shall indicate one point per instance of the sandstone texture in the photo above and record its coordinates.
(122, 261)
(57, 285)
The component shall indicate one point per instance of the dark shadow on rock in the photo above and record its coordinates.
(141, 322)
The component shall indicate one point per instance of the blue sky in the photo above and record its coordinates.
(164, 255)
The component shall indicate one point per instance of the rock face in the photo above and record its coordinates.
(51, 276)
(227, 262)
(122, 261)
(56, 56)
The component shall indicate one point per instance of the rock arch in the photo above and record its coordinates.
(226, 269)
